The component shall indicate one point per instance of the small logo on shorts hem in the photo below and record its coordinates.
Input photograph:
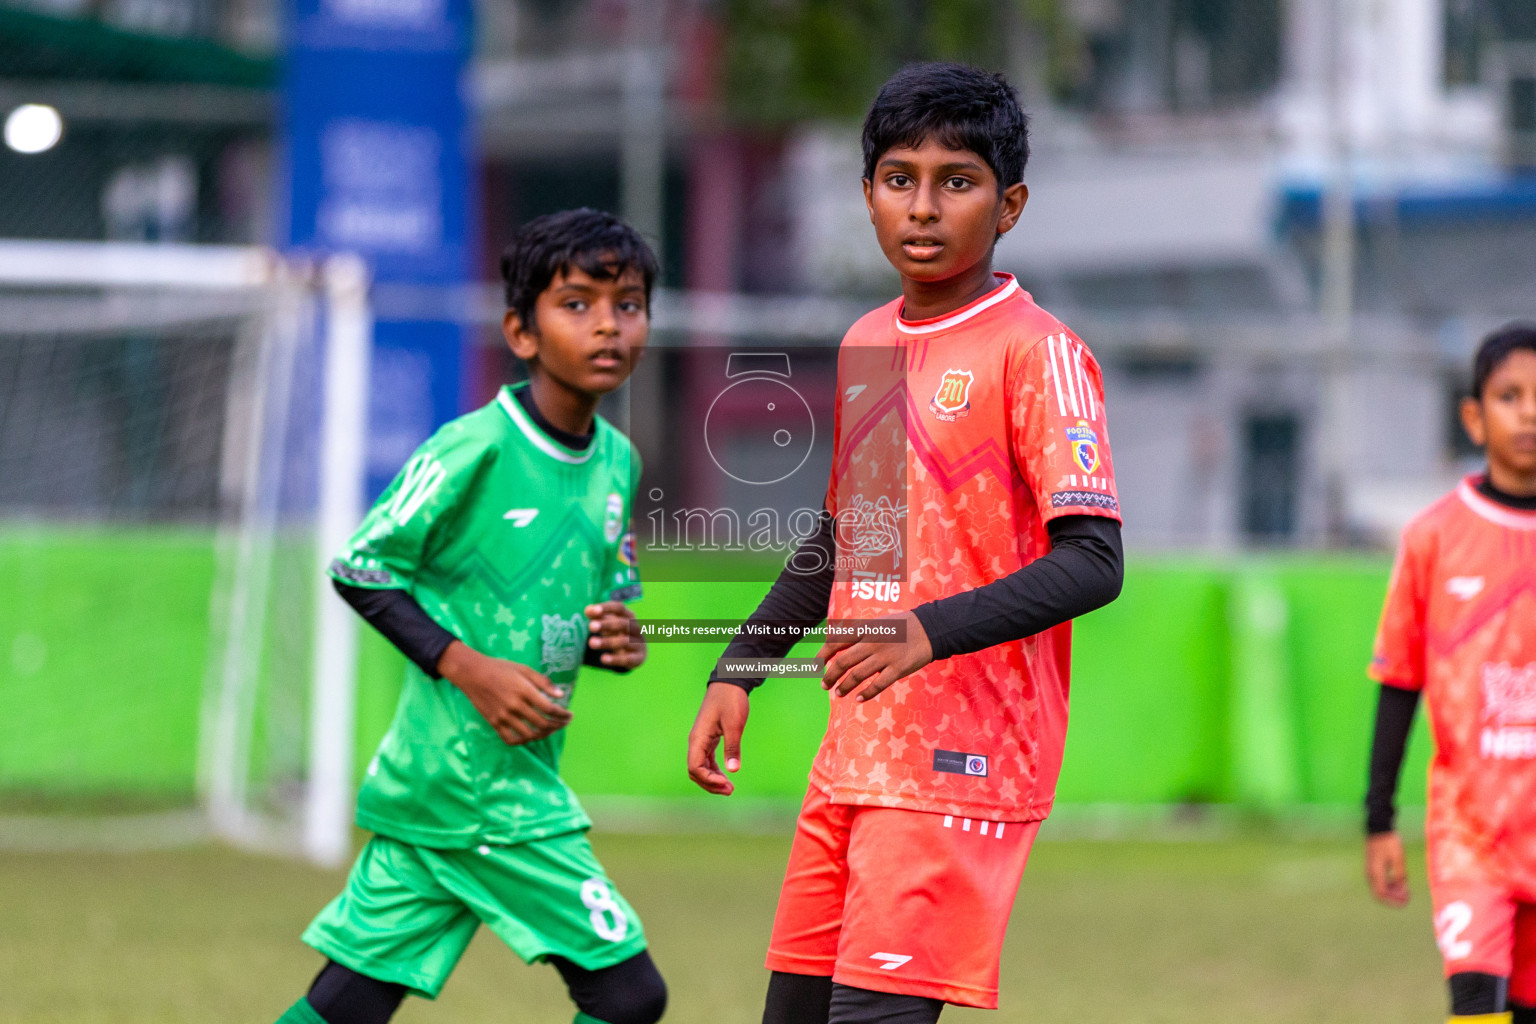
(956, 763)
(892, 960)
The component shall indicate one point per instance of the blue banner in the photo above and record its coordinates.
(378, 153)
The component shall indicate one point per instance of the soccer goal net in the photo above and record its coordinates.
(181, 432)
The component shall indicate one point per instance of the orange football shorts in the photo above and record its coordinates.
(1481, 926)
(899, 901)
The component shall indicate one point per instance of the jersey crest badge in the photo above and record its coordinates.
(627, 550)
(561, 643)
(1085, 446)
(953, 398)
(613, 518)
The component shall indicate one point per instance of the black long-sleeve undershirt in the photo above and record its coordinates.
(402, 621)
(1083, 571)
(1395, 708)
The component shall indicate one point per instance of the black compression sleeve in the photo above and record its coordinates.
(1394, 720)
(797, 601)
(402, 621)
(797, 998)
(629, 992)
(1474, 993)
(1083, 571)
(850, 1005)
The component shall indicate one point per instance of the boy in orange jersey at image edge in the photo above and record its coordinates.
(942, 749)
(1459, 627)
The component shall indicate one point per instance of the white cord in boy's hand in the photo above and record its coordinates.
(723, 716)
(611, 625)
(518, 702)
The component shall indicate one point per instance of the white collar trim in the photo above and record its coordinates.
(1003, 291)
(1494, 512)
(532, 432)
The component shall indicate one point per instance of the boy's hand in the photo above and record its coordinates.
(869, 666)
(1386, 868)
(518, 702)
(723, 716)
(610, 625)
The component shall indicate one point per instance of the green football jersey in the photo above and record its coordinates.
(503, 535)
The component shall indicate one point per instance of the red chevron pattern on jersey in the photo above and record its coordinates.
(973, 430)
(1460, 624)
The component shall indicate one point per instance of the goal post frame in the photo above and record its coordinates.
(337, 289)
(343, 464)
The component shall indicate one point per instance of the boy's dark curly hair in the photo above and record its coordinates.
(1496, 348)
(598, 243)
(955, 105)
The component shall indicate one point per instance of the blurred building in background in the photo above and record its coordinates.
(1281, 225)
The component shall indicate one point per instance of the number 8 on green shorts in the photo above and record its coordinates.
(408, 912)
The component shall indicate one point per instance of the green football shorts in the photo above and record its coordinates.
(408, 912)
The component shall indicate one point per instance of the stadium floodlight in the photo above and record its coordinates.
(33, 128)
(181, 450)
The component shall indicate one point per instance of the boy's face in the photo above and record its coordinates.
(1503, 418)
(937, 212)
(588, 333)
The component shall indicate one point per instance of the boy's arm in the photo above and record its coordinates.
(1395, 708)
(1398, 664)
(1059, 437)
(1084, 570)
(795, 604)
(797, 600)
(1386, 866)
(517, 701)
(402, 621)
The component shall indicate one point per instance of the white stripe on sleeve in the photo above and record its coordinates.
(1082, 383)
(1066, 376)
(1066, 362)
(1061, 402)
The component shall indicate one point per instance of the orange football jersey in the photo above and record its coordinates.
(1460, 624)
(956, 440)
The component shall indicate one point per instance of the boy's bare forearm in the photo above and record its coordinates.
(456, 660)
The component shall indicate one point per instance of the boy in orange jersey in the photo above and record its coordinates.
(1460, 626)
(943, 745)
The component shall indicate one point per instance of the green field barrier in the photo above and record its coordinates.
(103, 642)
(1206, 682)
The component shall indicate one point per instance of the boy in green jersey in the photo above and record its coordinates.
(498, 561)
